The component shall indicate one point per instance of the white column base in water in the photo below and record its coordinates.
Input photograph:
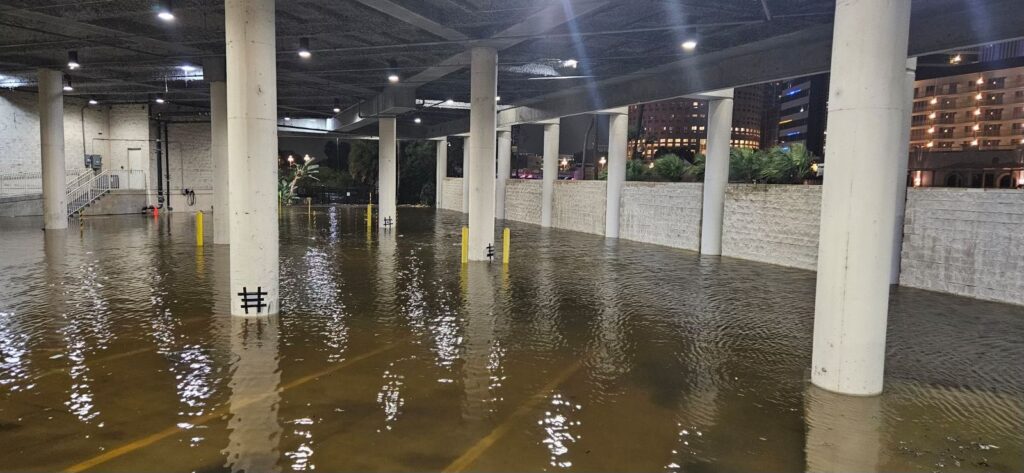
(865, 133)
(51, 140)
(901, 172)
(716, 175)
(219, 154)
(482, 120)
(441, 171)
(618, 134)
(550, 168)
(466, 164)
(387, 175)
(252, 155)
(504, 171)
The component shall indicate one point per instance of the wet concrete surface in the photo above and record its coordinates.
(117, 353)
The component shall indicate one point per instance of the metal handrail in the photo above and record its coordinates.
(22, 183)
(91, 190)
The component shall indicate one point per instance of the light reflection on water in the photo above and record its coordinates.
(582, 355)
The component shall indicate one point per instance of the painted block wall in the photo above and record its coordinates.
(775, 224)
(662, 213)
(84, 129)
(191, 165)
(579, 206)
(523, 200)
(452, 189)
(968, 242)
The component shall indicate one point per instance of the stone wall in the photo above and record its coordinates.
(579, 206)
(968, 242)
(452, 194)
(662, 213)
(775, 224)
(523, 200)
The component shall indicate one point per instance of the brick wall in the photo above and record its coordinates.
(968, 242)
(84, 128)
(452, 192)
(523, 200)
(775, 224)
(579, 206)
(191, 165)
(662, 213)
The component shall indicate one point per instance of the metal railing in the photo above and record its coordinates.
(24, 183)
(91, 190)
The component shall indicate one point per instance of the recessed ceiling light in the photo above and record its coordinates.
(337, 106)
(159, 99)
(393, 71)
(287, 118)
(304, 48)
(73, 60)
(68, 87)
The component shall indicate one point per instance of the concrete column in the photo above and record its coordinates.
(387, 175)
(550, 169)
(504, 172)
(618, 134)
(483, 116)
(716, 175)
(51, 139)
(442, 171)
(865, 130)
(219, 152)
(252, 153)
(465, 174)
(903, 155)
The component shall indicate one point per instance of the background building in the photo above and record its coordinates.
(803, 113)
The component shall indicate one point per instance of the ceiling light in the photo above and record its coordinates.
(689, 39)
(159, 99)
(980, 81)
(73, 60)
(393, 71)
(974, 142)
(187, 68)
(287, 118)
(93, 102)
(67, 85)
(570, 63)
(304, 48)
(337, 106)
(979, 96)
(955, 59)
(164, 11)
(931, 115)
(449, 102)
(417, 120)
(689, 45)
(976, 127)
(977, 112)
(933, 101)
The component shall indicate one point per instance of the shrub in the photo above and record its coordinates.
(669, 167)
(635, 170)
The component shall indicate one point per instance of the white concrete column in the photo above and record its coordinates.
(252, 153)
(387, 174)
(901, 173)
(466, 163)
(550, 169)
(866, 111)
(504, 172)
(716, 174)
(442, 171)
(483, 116)
(219, 152)
(51, 139)
(618, 134)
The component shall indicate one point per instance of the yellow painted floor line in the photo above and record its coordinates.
(482, 445)
(153, 438)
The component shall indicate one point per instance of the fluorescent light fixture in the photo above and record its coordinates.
(304, 48)
(67, 85)
(93, 102)
(417, 120)
(689, 45)
(73, 60)
(287, 118)
(689, 39)
(337, 106)
(187, 68)
(570, 63)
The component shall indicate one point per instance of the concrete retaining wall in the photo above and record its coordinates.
(523, 200)
(21, 205)
(579, 206)
(775, 224)
(662, 213)
(968, 242)
(452, 194)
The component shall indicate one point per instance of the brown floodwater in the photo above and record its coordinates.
(117, 353)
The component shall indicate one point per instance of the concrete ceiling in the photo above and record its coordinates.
(128, 54)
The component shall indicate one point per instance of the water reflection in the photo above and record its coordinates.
(843, 432)
(482, 360)
(254, 427)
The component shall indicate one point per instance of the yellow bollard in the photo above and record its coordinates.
(199, 228)
(369, 218)
(506, 241)
(465, 245)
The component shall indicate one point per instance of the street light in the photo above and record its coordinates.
(306, 158)
(291, 160)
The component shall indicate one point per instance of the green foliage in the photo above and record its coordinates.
(744, 165)
(603, 175)
(786, 167)
(287, 189)
(695, 171)
(362, 162)
(416, 168)
(669, 167)
(635, 170)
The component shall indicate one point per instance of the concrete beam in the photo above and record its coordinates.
(415, 19)
(392, 102)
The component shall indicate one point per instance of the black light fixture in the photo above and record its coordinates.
(337, 106)
(93, 101)
(73, 60)
(159, 99)
(67, 84)
(287, 118)
(304, 48)
(393, 71)
(164, 11)
(690, 39)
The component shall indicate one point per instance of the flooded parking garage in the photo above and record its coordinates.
(583, 354)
